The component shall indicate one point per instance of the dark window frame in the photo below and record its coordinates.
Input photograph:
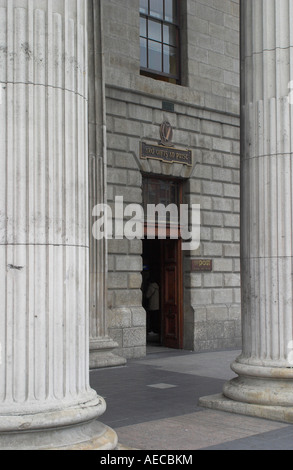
(161, 75)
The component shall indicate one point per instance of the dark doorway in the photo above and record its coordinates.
(162, 292)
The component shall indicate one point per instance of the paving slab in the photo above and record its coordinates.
(153, 403)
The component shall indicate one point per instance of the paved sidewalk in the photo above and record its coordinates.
(152, 403)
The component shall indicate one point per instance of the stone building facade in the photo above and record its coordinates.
(78, 99)
(203, 111)
(74, 111)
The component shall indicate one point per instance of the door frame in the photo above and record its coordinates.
(172, 231)
(179, 288)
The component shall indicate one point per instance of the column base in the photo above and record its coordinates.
(102, 355)
(89, 436)
(273, 413)
(260, 384)
(65, 427)
(263, 391)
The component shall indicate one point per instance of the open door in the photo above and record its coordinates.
(171, 300)
(163, 264)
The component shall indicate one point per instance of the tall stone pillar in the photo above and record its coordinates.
(102, 347)
(265, 370)
(45, 397)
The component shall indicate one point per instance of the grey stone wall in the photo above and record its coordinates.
(212, 300)
(210, 52)
(206, 119)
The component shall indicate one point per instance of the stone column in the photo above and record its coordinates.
(45, 397)
(102, 347)
(265, 372)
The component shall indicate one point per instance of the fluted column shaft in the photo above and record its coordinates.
(267, 179)
(266, 204)
(44, 241)
(102, 347)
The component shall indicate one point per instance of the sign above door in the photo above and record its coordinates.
(165, 150)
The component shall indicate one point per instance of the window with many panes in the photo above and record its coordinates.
(159, 39)
(161, 191)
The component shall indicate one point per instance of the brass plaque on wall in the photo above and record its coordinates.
(165, 154)
(201, 265)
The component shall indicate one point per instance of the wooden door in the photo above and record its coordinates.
(171, 302)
